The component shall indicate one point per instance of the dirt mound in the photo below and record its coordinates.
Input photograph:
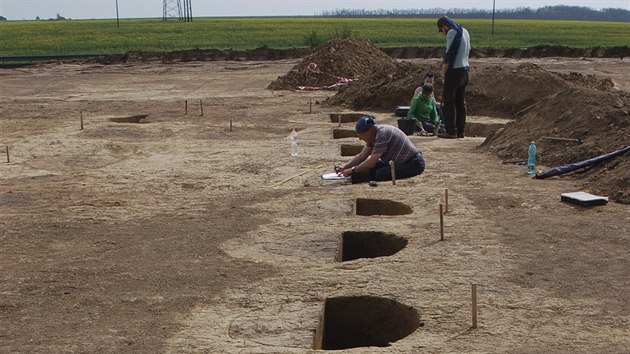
(590, 81)
(385, 89)
(353, 58)
(599, 122)
(494, 90)
(503, 91)
(541, 51)
(499, 91)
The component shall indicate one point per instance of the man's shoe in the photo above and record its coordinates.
(446, 135)
(460, 136)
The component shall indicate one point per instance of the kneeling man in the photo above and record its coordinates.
(383, 143)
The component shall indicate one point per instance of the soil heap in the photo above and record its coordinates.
(386, 88)
(353, 58)
(494, 90)
(551, 105)
(598, 121)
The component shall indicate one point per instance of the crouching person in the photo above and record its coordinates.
(383, 143)
(423, 110)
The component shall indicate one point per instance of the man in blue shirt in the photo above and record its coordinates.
(455, 73)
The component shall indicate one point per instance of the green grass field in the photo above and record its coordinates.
(103, 36)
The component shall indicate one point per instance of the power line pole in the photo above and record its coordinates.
(188, 17)
(117, 17)
(493, 7)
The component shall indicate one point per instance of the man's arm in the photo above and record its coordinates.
(363, 166)
(450, 52)
(357, 159)
(369, 162)
(434, 114)
(414, 105)
(444, 69)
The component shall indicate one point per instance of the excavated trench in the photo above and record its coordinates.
(364, 321)
(136, 119)
(369, 207)
(369, 244)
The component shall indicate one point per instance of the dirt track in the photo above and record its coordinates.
(177, 235)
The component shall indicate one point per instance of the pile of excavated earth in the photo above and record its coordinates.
(583, 115)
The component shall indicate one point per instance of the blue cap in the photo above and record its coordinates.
(364, 124)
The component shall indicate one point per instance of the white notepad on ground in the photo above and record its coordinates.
(583, 198)
(334, 177)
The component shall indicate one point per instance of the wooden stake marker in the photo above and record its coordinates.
(441, 222)
(310, 106)
(393, 167)
(297, 175)
(8, 159)
(230, 125)
(445, 200)
(201, 105)
(81, 113)
(186, 107)
(474, 305)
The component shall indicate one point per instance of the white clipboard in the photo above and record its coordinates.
(333, 176)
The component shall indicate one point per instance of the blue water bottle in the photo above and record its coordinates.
(531, 159)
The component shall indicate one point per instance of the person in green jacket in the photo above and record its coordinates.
(423, 110)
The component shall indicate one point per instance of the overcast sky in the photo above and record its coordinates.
(86, 9)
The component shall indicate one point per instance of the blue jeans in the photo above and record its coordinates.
(412, 167)
(428, 127)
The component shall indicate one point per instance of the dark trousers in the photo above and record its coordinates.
(412, 167)
(441, 114)
(428, 127)
(454, 101)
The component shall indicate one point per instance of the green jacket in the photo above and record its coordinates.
(423, 110)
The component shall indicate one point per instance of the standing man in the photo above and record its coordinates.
(383, 143)
(455, 74)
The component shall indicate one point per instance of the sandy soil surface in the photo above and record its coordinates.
(179, 234)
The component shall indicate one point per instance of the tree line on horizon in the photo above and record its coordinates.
(560, 12)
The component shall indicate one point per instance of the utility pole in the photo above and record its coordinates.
(493, 8)
(188, 17)
(117, 17)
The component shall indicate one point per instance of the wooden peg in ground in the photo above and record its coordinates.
(393, 167)
(571, 140)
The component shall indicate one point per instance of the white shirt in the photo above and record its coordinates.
(461, 58)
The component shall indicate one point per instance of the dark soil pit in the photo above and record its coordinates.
(350, 149)
(368, 207)
(347, 117)
(369, 244)
(137, 119)
(344, 133)
(364, 321)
